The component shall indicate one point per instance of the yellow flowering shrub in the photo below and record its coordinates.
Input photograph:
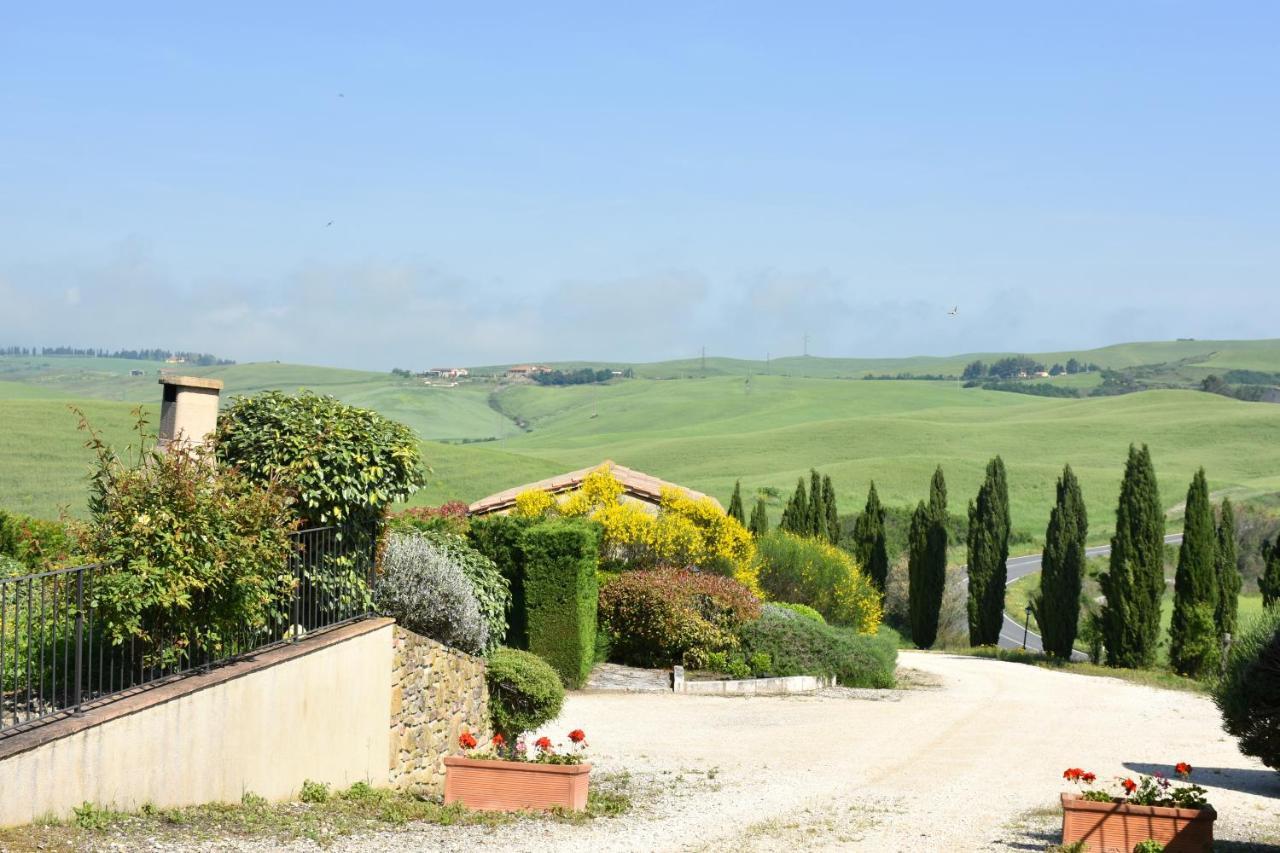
(533, 503)
(811, 571)
(683, 532)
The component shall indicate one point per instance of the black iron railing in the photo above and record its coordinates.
(56, 658)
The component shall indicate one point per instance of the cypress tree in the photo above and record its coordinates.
(869, 546)
(1134, 581)
(1057, 607)
(759, 519)
(1229, 580)
(817, 516)
(831, 518)
(1269, 583)
(927, 563)
(1193, 644)
(735, 503)
(988, 556)
(795, 517)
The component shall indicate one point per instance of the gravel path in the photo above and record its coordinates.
(974, 764)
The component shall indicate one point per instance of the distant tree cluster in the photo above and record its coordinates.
(931, 377)
(402, 373)
(1215, 384)
(202, 359)
(581, 376)
(1020, 367)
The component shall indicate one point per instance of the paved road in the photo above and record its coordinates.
(1011, 632)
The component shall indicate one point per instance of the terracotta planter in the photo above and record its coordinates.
(1116, 827)
(510, 786)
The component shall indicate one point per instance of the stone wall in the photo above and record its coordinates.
(436, 694)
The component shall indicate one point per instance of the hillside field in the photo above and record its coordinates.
(708, 431)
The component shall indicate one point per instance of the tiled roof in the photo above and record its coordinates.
(635, 483)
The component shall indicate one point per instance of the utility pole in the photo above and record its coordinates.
(806, 343)
(766, 363)
(704, 359)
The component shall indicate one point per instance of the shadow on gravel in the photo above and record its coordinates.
(1264, 783)
(1220, 846)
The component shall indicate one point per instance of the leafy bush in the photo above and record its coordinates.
(561, 558)
(798, 646)
(665, 616)
(802, 610)
(344, 464)
(35, 542)
(810, 571)
(427, 592)
(501, 539)
(1248, 693)
(193, 554)
(493, 594)
(524, 692)
(450, 517)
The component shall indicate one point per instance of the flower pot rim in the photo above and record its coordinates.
(522, 766)
(1077, 803)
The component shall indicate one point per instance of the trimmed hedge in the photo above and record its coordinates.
(560, 562)
(501, 539)
(666, 616)
(524, 692)
(802, 610)
(799, 646)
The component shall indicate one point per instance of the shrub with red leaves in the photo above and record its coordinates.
(667, 616)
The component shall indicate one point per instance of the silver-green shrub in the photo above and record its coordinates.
(424, 587)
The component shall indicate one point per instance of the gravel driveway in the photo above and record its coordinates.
(973, 764)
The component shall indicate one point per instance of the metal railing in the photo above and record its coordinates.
(56, 658)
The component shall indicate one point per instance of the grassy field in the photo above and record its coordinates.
(706, 432)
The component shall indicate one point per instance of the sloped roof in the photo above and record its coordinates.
(637, 484)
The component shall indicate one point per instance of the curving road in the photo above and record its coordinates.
(1019, 567)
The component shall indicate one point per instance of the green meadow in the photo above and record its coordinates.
(708, 430)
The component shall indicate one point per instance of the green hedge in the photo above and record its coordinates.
(524, 692)
(797, 645)
(501, 539)
(560, 562)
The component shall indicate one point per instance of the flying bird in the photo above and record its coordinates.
(954, 311)
(327, 224)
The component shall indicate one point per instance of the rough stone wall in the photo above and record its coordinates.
(436, 694)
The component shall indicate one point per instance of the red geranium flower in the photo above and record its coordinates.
(1129, 785)
(1072, 774)
(543, 742)
(467, 740)
(499, 740)
(1183, 768)
(578, 736)
(1088, 778)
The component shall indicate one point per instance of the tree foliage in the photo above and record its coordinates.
(805, 570)
(927, 563)
(1269, 583)
(735, 504)
(795, 516)
(1057, 607)
(1134, 581)
(759, 519)
(1193, 640)
(344, 464)
(870, 547)
(1227, 569)
(830, 521)
(988, 555)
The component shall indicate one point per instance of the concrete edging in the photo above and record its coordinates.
(778, 686)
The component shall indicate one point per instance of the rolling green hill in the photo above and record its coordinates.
(709, 430)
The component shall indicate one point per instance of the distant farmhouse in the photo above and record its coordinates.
(527, 371)
(446, 372)
(637, 486)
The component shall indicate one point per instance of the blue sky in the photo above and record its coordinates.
(555, 181)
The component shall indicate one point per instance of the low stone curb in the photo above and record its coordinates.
(779, 686)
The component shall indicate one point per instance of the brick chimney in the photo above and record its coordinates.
(188, 409)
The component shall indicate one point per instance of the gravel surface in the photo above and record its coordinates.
(974, 763)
